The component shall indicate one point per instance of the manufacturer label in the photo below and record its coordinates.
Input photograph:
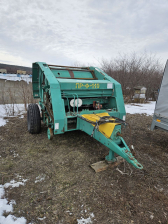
(56, 126)
(87, 85)
(109, 85)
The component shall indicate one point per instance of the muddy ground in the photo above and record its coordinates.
(67, 189)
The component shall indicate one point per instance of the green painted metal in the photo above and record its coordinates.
(48, 134)
(59, 87)
(115, 143)
(77, 74)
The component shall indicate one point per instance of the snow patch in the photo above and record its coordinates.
(11, 219)
(10, 110)
(14, 183)
(40, 178)
(86, 221)
(15, 77)
(138, 108)
(6, 206)
(2, 121)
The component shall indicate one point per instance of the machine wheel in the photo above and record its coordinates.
(33, 119)
(50, 133)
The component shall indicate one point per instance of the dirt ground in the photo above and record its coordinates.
(62, 187)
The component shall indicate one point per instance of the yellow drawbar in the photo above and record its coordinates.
(107, 128)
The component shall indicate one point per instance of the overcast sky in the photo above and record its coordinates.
(84, 31)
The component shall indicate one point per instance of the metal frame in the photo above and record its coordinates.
(56, 92)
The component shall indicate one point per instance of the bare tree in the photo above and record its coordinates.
(134, 70)
(25, 93)
(11, 96)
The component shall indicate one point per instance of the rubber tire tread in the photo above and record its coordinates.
(33, 119)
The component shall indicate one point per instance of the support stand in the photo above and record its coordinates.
(103, 165)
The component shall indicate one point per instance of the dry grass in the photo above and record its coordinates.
(70, 188)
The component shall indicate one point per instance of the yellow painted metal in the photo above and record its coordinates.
(107, 128)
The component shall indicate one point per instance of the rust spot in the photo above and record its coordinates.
(71, 73)
(94, 104)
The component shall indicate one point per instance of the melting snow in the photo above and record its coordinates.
(14, 183)
(6, 206)
(86, 221)
(40, 178)
(15, 77)
(139, 108)
(2, 121)
(10, 110)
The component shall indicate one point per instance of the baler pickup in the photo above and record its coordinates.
(80, 98)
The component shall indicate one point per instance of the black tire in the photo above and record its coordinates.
(33, 119)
